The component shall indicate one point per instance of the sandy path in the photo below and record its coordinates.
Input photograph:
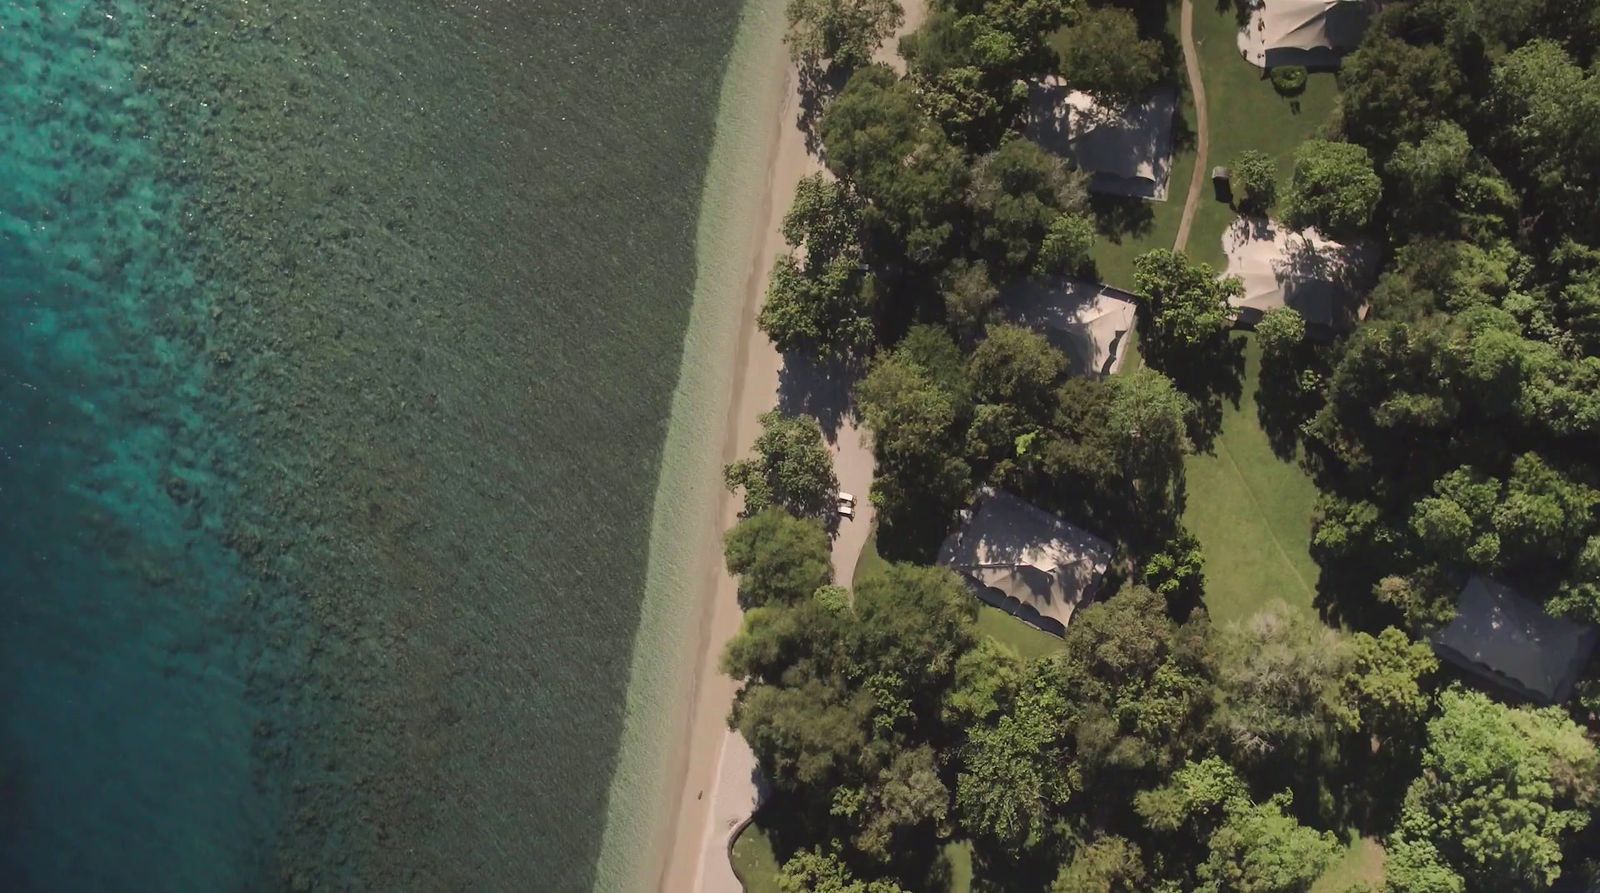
(1197, 86)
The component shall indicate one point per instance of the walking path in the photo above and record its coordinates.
(1191, 61)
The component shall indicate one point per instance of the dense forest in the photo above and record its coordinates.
(1455, 431)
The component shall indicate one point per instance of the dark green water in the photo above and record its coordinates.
(336, 346)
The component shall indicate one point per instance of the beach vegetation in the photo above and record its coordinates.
(841, 33)
(877, 139)
(792, 468)
(778, 557)
(818, 295)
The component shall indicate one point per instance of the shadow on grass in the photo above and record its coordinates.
(1118, 217)
(1282, 405)
(1208, 376)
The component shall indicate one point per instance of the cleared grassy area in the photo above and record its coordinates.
(1007, 630)
(755, 861)
(1361, 862)
(1251, 511)
(1245, 112)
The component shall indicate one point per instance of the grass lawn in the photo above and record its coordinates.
(754, 860)
(1130, 227)
(1362, 861)
(993, 622)
(1251, 511)
(1245, 112)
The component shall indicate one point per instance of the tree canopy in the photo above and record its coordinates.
(791, 468)
(840, 32)
(1334, 188)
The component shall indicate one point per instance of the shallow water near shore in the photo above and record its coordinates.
(337, 347)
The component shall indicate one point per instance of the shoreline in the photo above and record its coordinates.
(693, 831)
(676, 695)
(691, 607)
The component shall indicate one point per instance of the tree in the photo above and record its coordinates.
(1280, 331)
(1260, 849)
(1138, 686)
(1177, 573)
(1186, 303)
(810, 871)
(1015, 774)
(1068, 246)
(876, 137)
(778, 557)
(1501, 788)
(1256, 174)
(1102, 55)
(1016, 367)
(1383, 691)
(1017, 192)
(969, 294)
(843, 32)
(913, 623)
(1146, 424)
(821, 304)
(1393, 90)
(1249, 847)
(1108, 865)
(1547, 105)
(792, 468)
(1277, 677)
(988, 678)
(1334, 188)
(907, 797)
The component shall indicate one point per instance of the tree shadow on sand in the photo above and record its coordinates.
(820, 388)
(817, 87)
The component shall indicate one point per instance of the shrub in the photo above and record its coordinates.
(1289, 80)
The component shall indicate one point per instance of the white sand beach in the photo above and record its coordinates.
(684, 781)
(717, 784)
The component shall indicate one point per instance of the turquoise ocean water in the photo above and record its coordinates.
(337, 341)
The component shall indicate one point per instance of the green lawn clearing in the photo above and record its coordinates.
(754, 860)
(1251, 511)
(1245, 112)
(1361, 862)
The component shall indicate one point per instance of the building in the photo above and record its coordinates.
(1312, 33)
(1506, 638)
(1026, 561)
(1087, 321)
(1324, 280)
(1126, 151)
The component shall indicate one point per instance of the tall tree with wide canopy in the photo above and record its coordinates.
(1103, 55)
(792, 468)
(1502, 788)
(778, 557)
(1186, 303)
(1017, 192)
(819, 301)
(876, 137)
(840, 32)
(1334, 188)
